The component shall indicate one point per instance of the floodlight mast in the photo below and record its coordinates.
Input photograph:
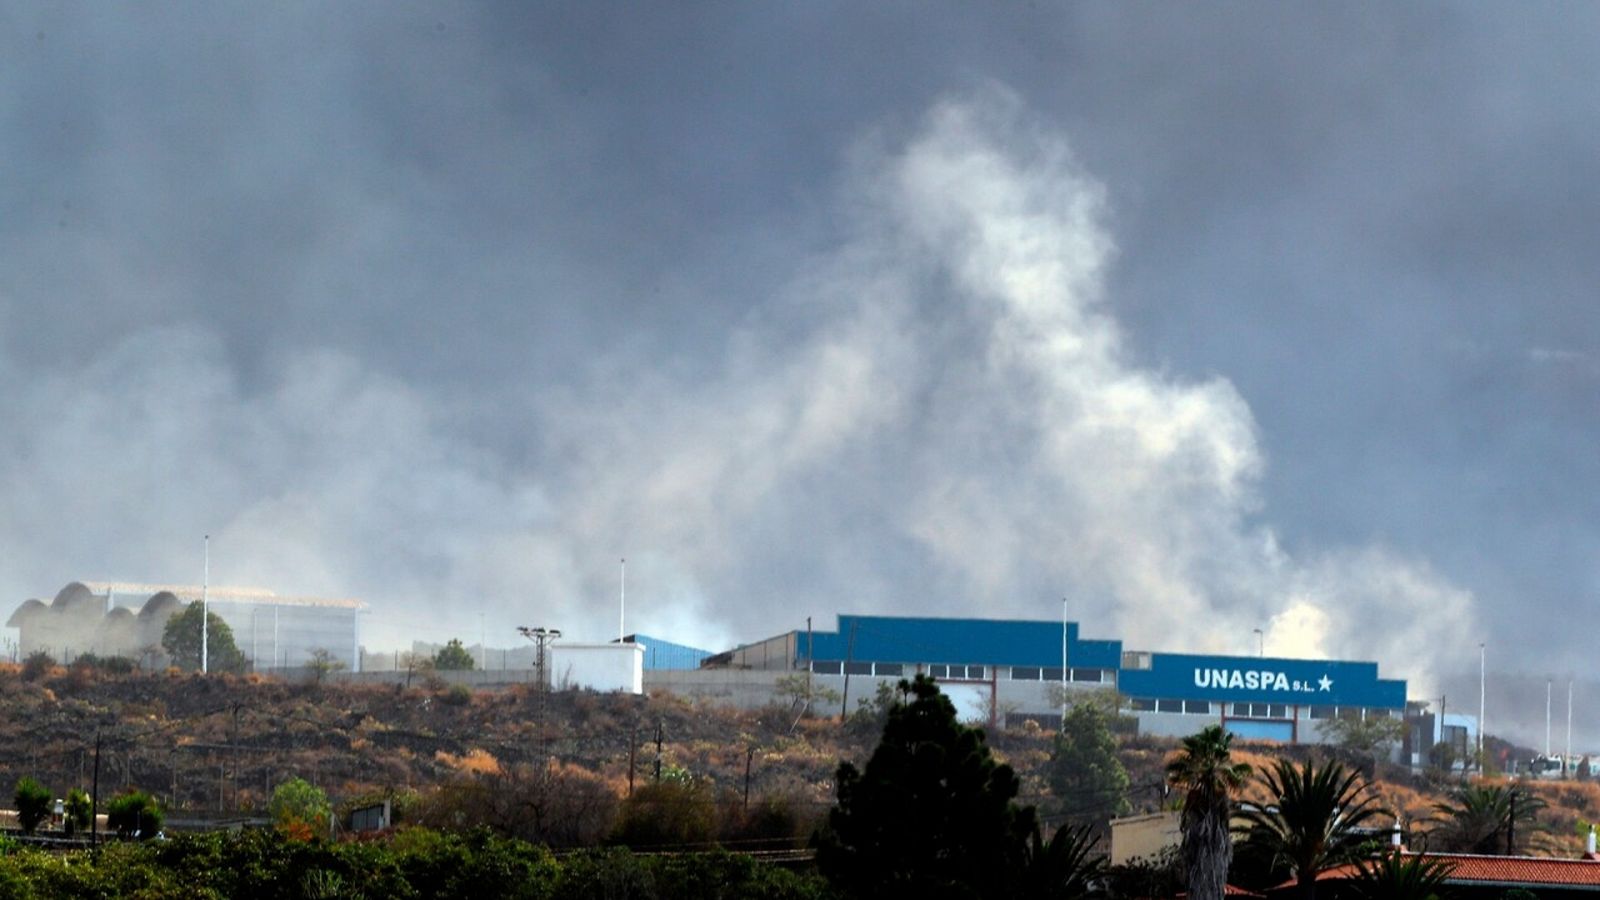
(541, 637)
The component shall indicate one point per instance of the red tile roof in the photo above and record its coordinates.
(1469, 868)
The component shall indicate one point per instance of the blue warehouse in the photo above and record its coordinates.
(1007, 671)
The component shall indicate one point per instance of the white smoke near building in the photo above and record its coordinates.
(943, 416)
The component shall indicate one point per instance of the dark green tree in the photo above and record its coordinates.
(453, 657)
(1480, 818)
(181, 639)
(1085, 775)
(1205, 772)
(134, 814)
(931, 815)
(1395, 876)
(32, 800)
(1314, 821)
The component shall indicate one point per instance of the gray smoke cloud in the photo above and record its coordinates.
(941, 417)
(1207, 319)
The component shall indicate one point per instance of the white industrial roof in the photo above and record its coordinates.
(221, 594)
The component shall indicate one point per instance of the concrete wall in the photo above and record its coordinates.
(1144, 837)
(739, 688)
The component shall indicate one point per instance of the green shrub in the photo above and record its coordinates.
(135, 814)
(32, 800)
(78, 808)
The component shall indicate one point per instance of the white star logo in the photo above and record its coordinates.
(1325, 683)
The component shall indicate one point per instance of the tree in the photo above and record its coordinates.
(79, 808)
(1481, 818)
(1365, 736)
(930, 815)
(299, 809)
(181, 639)
(453, 657)
(1085, 774)
(321, 663)
(1313, 820)
(1205, 771)
(799, 692)
(135, 814)
(1065, 867)
(32, 800)
(1395, 876)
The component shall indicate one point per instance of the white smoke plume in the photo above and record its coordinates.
(943, 417)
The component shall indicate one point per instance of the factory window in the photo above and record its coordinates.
(826, 667)
(940, 670)
(1052, 674)
(1138, 705)
(1089, 675)
(1379, 713)
(1197, 707)
(1024, 673)
(1169, 706)
(1321, 712)
(1260, 711)
(1350, 713)
(889, 669)
(858, 668)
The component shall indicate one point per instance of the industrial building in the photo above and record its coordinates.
(121, 619)
(1007, 671)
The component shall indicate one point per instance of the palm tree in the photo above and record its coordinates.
(1065, 866)
(1395, 876)
(1205, 771)
(1313, 820)
(1480, 818)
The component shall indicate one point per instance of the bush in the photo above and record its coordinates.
(299, 809)
(135, 814)
(37, 665)
(33, 804)
(666, 815)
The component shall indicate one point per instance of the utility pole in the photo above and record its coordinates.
(749, 754)
(94, 800)
(1482, 683)
(658, 751)
(1566, 760)
(849, 657)
(205, 607)
(541, 638)
(1063, 661)
(1547, 683)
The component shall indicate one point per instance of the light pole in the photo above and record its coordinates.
(1482, 683)
(205, 607)
(541, 638)
(1261, 641)
(1063, 660)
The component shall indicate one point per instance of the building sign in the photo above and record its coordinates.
(1257, 679)
(1252, 679)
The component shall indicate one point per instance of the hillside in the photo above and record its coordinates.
(215, 746)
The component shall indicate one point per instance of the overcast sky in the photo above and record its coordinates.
(1204, 317)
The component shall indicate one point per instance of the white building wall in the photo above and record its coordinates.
(599, 667)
